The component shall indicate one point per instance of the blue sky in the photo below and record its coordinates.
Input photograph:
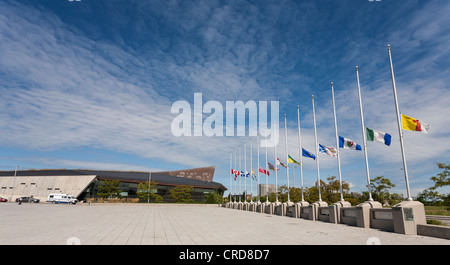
(90, 84)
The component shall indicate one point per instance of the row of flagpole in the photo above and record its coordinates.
(403, 122)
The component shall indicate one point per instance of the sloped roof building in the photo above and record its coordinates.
(83, 183)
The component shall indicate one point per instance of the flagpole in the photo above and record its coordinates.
(251, 169)
(293, 175)
(267, 177)
(245, 171)
(337, 143)
(400, 132)
(149, 181)
(235, 166)
(275, 169)
(300, 151)
(258, 187)
(363, 128)
(240, 170)
(231, 173)
(287, 158)
(317, 150)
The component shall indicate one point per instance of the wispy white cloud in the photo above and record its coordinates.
(64, 85)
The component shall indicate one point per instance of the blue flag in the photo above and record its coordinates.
(308, 154)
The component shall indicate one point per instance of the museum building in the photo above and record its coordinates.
(84, 184)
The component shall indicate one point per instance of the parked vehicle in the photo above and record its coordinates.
(3, 199)
(61, 198)
(27, 199)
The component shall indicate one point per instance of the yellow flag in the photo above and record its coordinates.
(412, 124)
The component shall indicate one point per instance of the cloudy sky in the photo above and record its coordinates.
(91, 84)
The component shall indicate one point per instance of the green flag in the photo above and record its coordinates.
(291, 160)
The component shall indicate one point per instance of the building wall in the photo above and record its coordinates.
(202, 173)
(264, 188)
(41, 186)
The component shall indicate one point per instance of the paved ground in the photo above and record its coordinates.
(131, 224)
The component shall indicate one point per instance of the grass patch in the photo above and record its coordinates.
(437, 210)
(435, 222)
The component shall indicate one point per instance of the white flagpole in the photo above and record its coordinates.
(399, 121)
(240, 170)
(235, 166)
(149, 186)
(300, 151)
(231, 167)
(258, 187)
(317, 150)
(287, 159)
(267, 177)
(337, 143)
(251, 168)
(275, 168)
(363, 128)
(245, 171)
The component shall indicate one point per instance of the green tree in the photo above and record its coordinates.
(443, 178)
(213, 197)
(331, 191)
(109, 189)
(147, 192)
(272, 197)
(295, 194)
(282, 193)
(431, 196)
(181, 193)
(380, 187)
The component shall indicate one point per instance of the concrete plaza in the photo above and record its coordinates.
(142, 224)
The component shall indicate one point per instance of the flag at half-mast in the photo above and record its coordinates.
(331, 151)
(271, 167)
(264, 171)
(377, 136)
(306, 153)
(235, 172)
(412, 124)
(279, 163)
(291, 160)
(348, 144)
(245, 174)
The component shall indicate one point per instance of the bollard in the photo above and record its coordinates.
(407, 215)
(335, 211)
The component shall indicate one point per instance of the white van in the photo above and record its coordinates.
(61, 198)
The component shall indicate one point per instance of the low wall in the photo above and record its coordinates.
(324, 214)
(348, 215)
(305, 212)
(434, 231)
(407, 217)
(381, 218)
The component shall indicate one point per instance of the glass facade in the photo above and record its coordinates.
(128, 190)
